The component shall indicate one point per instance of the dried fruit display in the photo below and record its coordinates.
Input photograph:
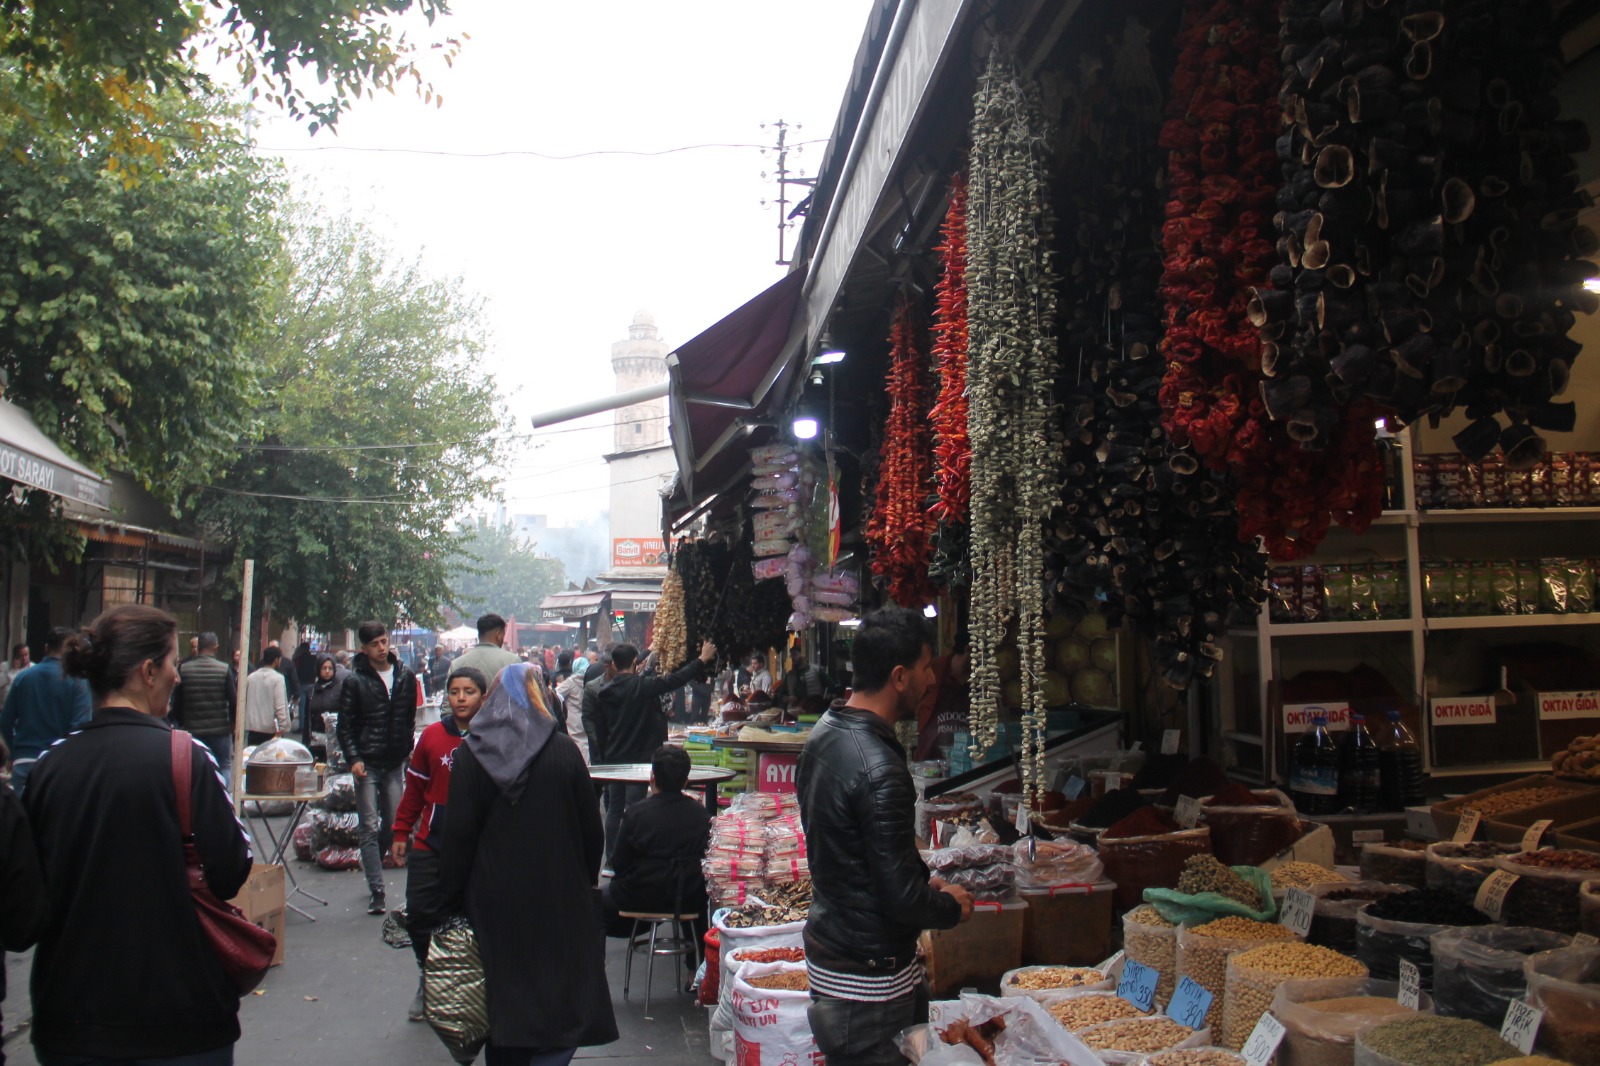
(900, 529)
(670, 640)
(723, 601)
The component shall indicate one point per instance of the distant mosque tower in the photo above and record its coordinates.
(639, 361)
(642, 463)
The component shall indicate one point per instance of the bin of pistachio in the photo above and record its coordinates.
(1124, 1042)
(1203, 954)
(1254, 977)
(1150, 939)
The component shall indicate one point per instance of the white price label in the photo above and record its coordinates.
(1188, 812)
(1410, 985)
(1191, 1002)
(1138, 984)
(1491, 898)
(941, 834)
(1022, 817)
(1298, 906)
(1138, 745)
(1530, 839)
(1366, 836)
(1169, 741)
(1074, 787)
(1521, 1026)
(1467, 828)
(1585, 938)
(1264, 1041)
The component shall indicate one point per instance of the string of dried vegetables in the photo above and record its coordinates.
(900, 529)
(952, 449)
(670, 640)
(1012, 353)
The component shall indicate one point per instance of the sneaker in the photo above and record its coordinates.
(416, 1012)
(377, 905)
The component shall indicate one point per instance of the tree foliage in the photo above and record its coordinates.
(128, 311)
(503, 573)
(379, 428)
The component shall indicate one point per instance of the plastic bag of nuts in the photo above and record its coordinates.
(1478, 972)
(1045, 982)
(1127, 1041)
(1546, 893)
(1460, 869)
(1203, 954)
(1150, 939)
(1565, 985)
(1254, 977)
(1321, 1016)
(1395, 862)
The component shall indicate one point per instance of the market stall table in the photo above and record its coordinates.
(706, 777)
(280, 844)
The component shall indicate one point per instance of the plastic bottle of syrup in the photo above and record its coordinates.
(1359, 773)
(1400, 773)
(1314, 770)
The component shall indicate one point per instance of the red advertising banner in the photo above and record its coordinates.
(637, 551)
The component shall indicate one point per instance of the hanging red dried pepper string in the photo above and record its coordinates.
(900, 530)
(952, 449)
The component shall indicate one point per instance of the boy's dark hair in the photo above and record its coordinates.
(671, 768)
(623, 656)
(888, 637)
(368, 632)
(488, 623)
(56, 639)
(564, 661)
(468, 673)
(208, 641)
(17, 649)
(270, 656)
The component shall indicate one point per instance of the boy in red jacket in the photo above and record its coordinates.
(422, 807)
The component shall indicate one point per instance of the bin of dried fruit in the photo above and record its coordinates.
(1080, 1012)
(1204, 949)
(1511, 799)
(769, 955)
(1459, 869)
(1333, 919)
(787, 981)
(1399, 927)
(1304, 875)
(1254, 977)
(1395, 862)
(1128, 1040)
(1545, 894)
(1580, 759)
(1040, 982)
(1430, 1041)
(1196, 1056)
(1208, 890)
(1322, 1015)
(1565, 984)
(1150, 939)
(1147, 849)
(1478, 972)
(1248, 828)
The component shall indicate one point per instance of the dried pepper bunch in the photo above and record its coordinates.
(670, 640)
(951, 447)
(900, 529)
(1012, 354)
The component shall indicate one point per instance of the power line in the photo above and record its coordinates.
(509, 152)
(398, 499)
(351, 447)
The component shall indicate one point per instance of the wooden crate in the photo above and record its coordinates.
(1566, 811)
(1447, 815)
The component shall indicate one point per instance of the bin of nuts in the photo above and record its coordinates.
(1589, 907)
(1254, 977)
(1478, 972)
(1333, 920)
(1203, 954)
(1130, 1039)
(1091, 1008)
(1424, 1040)
(1546, 892)
(1321, 1016)
(1042, 982)
(1196, 1056)
(1399, 927)
(1395, 862)
(1565, 985)
(1459, 869)
(1150, 939)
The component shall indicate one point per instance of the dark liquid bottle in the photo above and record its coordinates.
(1314, 770)
(1400, 773)
(1358, 767)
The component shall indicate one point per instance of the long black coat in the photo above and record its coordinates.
(527, 874)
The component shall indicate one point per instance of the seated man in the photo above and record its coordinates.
(656, 861)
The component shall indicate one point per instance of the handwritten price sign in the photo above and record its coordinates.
(1521, 1026)
(1190, 1004)
(1298, 905)
(1410, 985)
(1138, 984)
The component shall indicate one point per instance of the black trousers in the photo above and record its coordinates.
(422, 898)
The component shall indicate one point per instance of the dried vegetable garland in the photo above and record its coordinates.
(1011, 307)
(900, 529)
(952, 449)
(723, 601)
(670, 640)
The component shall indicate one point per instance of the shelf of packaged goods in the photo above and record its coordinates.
(1328, 629)
(1512, 621)
(1509, 514)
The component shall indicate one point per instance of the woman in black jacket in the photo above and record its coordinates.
(323, 700)
(122, 972)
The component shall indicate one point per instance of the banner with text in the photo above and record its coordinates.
(1462, 710)
(1560, 705)
(637, 551)
(1297, 716)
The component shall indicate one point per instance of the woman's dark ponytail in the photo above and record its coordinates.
(109, 649)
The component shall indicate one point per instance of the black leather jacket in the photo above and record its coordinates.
(375, 725)
(870, 894)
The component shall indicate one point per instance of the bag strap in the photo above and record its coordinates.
(182, 763)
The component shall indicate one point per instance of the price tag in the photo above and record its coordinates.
(1264, 1041)
(1521, 1025)
(942, 832)
(1366, 836)
(1138, 984)
(1491, 898)
(1297, 907)
(1530, 839)
(1169, 741)
(1074, 787)
(1188, 812)
(1190, 1004)
(1410, 985)
(1138, 745)
(1467, 828)
(1021, 821)
(1585, 938)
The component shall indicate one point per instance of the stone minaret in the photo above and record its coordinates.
(639, 361)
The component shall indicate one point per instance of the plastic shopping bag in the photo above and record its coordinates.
(454, 990)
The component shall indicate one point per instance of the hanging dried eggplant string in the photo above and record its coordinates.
(900, 529)
(1010, 388)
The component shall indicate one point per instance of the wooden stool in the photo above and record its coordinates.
(682, 943)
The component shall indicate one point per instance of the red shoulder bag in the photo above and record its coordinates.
(244, 949)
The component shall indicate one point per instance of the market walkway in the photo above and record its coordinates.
(341, 995)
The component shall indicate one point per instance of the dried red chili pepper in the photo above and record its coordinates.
(900, 530)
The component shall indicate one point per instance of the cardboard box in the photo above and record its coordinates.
(1566, 811)
(262, 901)
(978, 952)
(1447, 815)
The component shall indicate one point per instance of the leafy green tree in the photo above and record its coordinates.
(128, 312)
(503, 573)
(380, 426)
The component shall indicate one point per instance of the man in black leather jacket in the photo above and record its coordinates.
(872, 893)
(377, 717)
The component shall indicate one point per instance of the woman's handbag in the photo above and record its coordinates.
(244, 949)
(454, 991)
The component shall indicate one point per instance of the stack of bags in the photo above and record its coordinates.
(756, 842)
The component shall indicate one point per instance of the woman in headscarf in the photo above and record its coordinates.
(323, 699)
(523, 863)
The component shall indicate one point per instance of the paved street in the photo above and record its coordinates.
(341, 995)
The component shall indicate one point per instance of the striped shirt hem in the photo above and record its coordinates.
(864, 989)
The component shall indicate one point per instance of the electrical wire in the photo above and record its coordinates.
(513, 152)
(398, 499)
(351, 447)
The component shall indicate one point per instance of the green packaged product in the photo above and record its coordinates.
(1460, 588)
(1388, 589)
(1436, 598)
(1480, 589)
(1504, 597)
(1552, 587)
(1363, 604)
(1527, 587)
(1336, 593)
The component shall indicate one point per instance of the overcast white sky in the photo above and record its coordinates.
(566, 251)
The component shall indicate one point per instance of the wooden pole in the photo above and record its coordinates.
(236, 771)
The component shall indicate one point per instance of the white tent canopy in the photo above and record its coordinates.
(459, 634)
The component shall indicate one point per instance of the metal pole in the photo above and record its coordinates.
(236, 771)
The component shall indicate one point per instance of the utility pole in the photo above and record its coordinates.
(784, 181)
